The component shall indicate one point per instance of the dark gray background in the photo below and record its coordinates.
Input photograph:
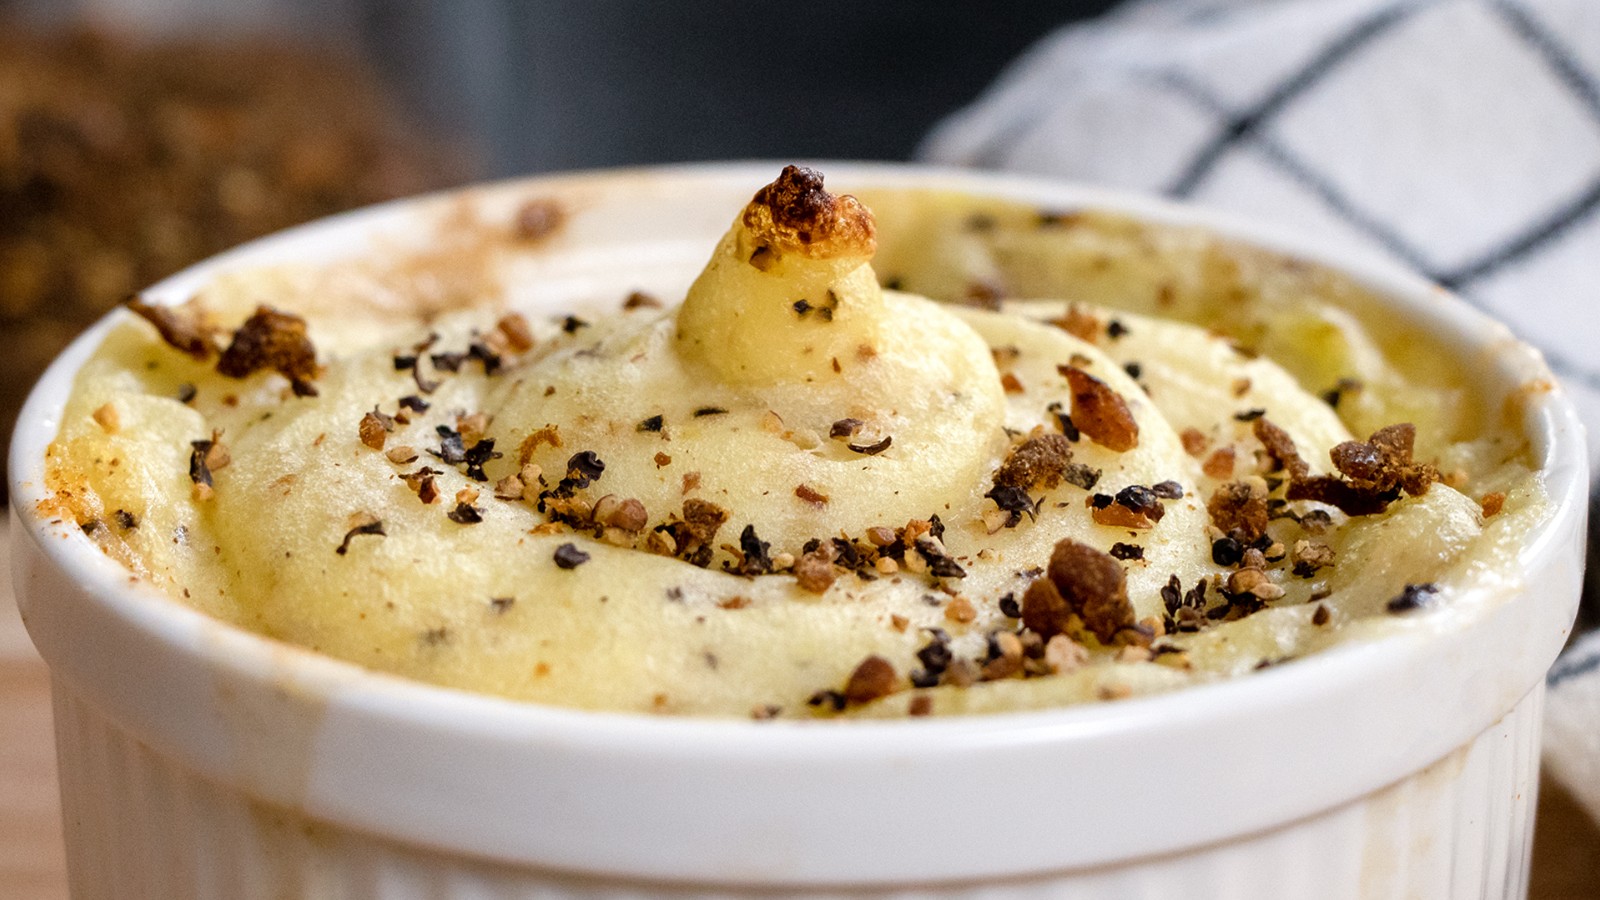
(561, 84)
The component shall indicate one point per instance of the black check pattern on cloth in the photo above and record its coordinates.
(1246, 128)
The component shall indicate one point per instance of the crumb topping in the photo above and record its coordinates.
(274, 341)
(182, 328)
(1080, 581)
(1100, 412)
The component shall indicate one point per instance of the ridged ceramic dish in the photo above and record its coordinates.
(199, 760)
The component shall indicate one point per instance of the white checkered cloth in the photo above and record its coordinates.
(1461, 137)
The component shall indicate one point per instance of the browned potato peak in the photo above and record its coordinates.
(795, 214)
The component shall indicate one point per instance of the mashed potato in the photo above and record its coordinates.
(803, 492)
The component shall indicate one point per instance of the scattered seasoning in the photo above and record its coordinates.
(125, 520)
(451, 451)
(704, 411)
(1240, 507)
(405, 362)
(833, 700)
(483, 353)
(1374, 472)
(1009, 606)
(873, 678)
(692, 533)
(371, 526)
(571, 324)
(1309, 556)
(1194, 441)
(1126, 552)
(811, 496)
(1064, 422)
(423, 482)
(814, 571)
(872, 449)
(568, 556)
(374, 429)
(464, 512)
(549, 434)
(1413, 596)
(983, 295)
(960, 610)
(1249, 415)
(448, 362)
(205, 457)
(651, 425)
(844, 428)
(802, 306)
(691, 481)
(1336, 394)
(1038, 462)
(423, 384)
(107, 418)
(920, 705)
(640, 300)
(1185, 610)
(1115, 329)
(1493, 503)
(1011, 384)
(513, 329)
(1167, 490)
(501, 604)
(180, 328)
(538, 219)
(478, 454)
(753, 556)
(273, 340)
(1219, 464)
(1321, 616)
(1079, 323)
(1280, 447)
(1134, 370)
(940, 563)
(186, 392)
(662, 460)
(1100, 412)
(733, 603)
(1135, 506)
(1226, 551)
(1081, 475)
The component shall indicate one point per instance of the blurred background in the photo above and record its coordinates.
(138, 136)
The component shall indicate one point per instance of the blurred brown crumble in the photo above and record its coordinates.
(122, 162)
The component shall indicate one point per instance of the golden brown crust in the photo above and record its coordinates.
(1280, 446)
(274, 340)
(1081, 581)
(1100, 412)
(1038, 462)
(1239, 508)
(795, 215)
(181, 330)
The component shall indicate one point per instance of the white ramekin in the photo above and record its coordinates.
(198, 760)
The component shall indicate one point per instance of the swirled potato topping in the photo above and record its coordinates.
(805, 490)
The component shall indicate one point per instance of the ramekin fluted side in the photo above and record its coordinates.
(142, 827)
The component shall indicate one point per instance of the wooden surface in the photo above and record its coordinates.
(32, 865)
